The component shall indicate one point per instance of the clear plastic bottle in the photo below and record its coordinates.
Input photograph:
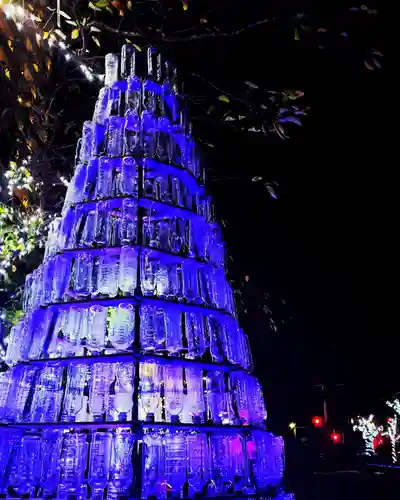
(87, 141)
(51, 443)
(175, 456)
(222, 472)
(173, 338)
(99, 463)
(103, 224)
(194, 404)
(195, 335)
(115, 136)
(128, 177)
(148, 340)
(199, 463)
(122, 326)
(92, 173)
(73, 466)
(25, 473)
(111, 64)
(190, 282)
(48, 394)
(132, 131)
(99, 390)
(82, 272)
(73, 399)
(97, 327)
(173, 392)
(123, 400)
(102, 107)
(25, 383)
(128, 270)
(89, 230)
(121, 461)
(148, 275)
(128, 224)
(150, 377)
(108, 274)
(153, 470)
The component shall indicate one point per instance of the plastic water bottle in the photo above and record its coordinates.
(99, 390)
(48, 393)
(25, 383)
(73, 399)
(51, 443)
(173, 334)
(76, 186)
(123, 400)
(104, 178)
(99, 463)
(73, 465)
(128, 185)
(115, 136)
(132, 131)
(6, 380)
(122, 326)
(153, 470)
(89, 229)
(87, 141)
(92, 169)
(190, 282)
(194, 404)
(67, 234)
(103, 225)
(222, 474)
(102, 107)
(111, 64)
(175, 457)
(121, 461)
(25, 473)
(97, 327)
(108, 274)
(164, 235)
(219, 399)
(82, 272)
(173, 392)
(194, 335)
(214, 335)
(128, 225)
(150, 377)
(128, 270)
(199, 463)
(148, 340)
(161, 285)
(148, 275)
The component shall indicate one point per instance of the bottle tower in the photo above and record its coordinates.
(129, 376)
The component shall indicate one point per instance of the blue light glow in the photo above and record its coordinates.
(129, 376)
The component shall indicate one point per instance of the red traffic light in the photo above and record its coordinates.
(336, 437)
(317, 421)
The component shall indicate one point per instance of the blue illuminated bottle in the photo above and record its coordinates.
(73, 466)
(99, 463)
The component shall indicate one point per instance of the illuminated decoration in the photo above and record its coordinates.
(317, 421)
(336, 437)
(19, 177)
(129, 373)
(369, 431)
(392, 431)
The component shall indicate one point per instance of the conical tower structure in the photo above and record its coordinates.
(129, 376)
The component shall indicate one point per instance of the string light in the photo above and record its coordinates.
(369, 431)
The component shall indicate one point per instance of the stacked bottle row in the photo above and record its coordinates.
(101, 392)
(100, 464)
(103, 178)
(115, 223)
(66, 278)
(132, 118)
(98, 330)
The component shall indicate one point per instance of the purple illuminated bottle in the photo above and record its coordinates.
(175, 456)
(99, 390)
(150, 378)
(99, 463)
(153, 470)
(73, 466)
(122, 325)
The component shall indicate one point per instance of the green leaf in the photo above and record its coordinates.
(137, 47)
(96, 41)
(101, 4)
(296, 34)
(71, 23)
(93, 6)
(252, 85)
(75, 34)
(64, 14)
(94, 29)
(223, 98)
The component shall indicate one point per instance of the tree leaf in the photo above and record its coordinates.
(369, 66)
(101, 4)
(75, 34)
(296, 34)
(7, 73)
(94, 29)
(256, 179)
(290, 119)
(71, 23)
(45, 35)
(223, 98)
(96, 41)
(93, 6)
(64, 14)
(251, 85)
(62, 35)
(137, 47)
(36, 67)
(185, 4)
